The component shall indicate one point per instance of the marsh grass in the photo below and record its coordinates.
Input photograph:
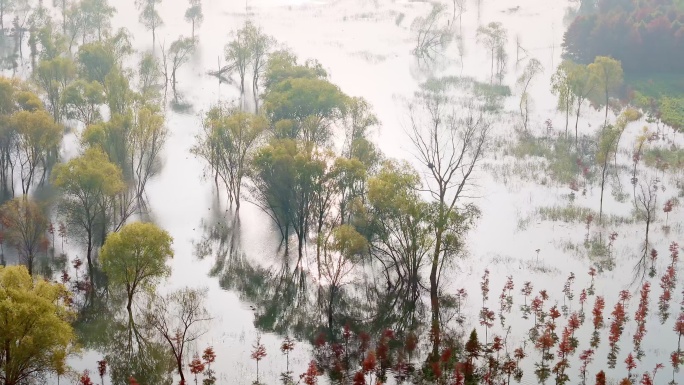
(571, 213)
(671, 159)
(563, 163)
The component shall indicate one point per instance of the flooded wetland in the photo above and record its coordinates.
(341, 192)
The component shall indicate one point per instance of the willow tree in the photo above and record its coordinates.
(134, 259)
(560, 86)
(607, 73)
(397, 223)
(449, 147)
(286, 176)
(89, 182)
(227, 143)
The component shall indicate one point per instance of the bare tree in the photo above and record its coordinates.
(450, 147)
(645, 206)
(179, 318)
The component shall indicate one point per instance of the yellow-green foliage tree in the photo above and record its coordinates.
(135, 259)
(90, 182)
(35, 334)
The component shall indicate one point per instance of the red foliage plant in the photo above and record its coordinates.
(85, 378)
(310, 377)
(640, 318)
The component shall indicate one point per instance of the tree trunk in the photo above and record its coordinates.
(434, 299)
(603, 182)
(90, 251)
(567, 115)
(579, 105)
(330, 309)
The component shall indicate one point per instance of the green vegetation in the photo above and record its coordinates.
(35, 328)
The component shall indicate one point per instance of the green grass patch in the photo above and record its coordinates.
(670, 158)
(656, 85)
(578, 214)
(559, 154)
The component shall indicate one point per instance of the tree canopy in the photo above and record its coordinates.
(35, 331)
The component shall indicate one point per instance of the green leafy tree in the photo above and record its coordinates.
(227, 144)
(239, 56)
(532, 69)
(397, 223)
(96, 16)
(560, 86)
(285, 175)
(581, 84)
(149, 17)
(145, 141)
(95, 61)
(178, 54)
(304, 108)
(82, 101)
(35, 331)
(150, 75)
(494, 37)
(54, 76)
(260, 46)
(38, 139)
(607, 74)
(25, 227)
(88, 181)
(194, 15)
(118, 93)
(134, 259)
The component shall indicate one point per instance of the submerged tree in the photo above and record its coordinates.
(194, 15)
(532, 69)
(494, 37)
(260, 46)
(449, 148)
(239, 56)
(179, 319)
(560, 86)
(25, 227)
(149, 17)
(227, 144)
(178, 54)
(431, 35)
(88, 182)
(134, 259)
